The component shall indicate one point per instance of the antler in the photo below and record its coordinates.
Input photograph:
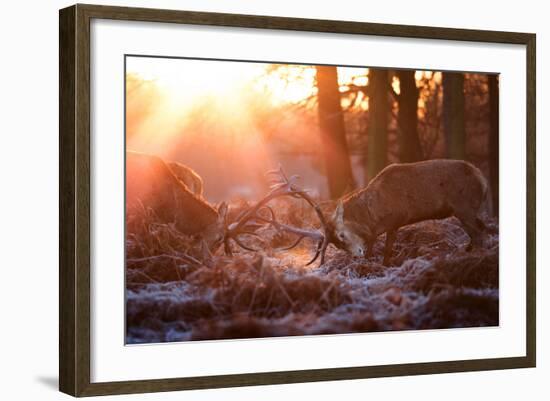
(323, 239)
(251, 219)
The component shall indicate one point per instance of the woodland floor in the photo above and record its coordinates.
(433, 282)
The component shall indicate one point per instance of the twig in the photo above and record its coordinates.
(182, 258)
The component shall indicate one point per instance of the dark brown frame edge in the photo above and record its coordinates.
(74, 199)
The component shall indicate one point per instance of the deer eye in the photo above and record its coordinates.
(342, 236)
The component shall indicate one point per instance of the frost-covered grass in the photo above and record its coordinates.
(432, 283)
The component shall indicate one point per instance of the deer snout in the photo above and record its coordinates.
(358, 252)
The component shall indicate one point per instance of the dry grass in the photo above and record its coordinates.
(433, 283)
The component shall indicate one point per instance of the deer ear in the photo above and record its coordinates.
(222, 210)
(339, 213)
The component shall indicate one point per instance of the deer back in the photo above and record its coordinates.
(407, 193)
(151, 183)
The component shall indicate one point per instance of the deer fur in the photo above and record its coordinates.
(151, 184)
(403, 194)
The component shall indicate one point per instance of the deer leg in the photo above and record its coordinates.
(475, 237)
(370, 249)
(474, 231)
(227, 249)
(390, 239)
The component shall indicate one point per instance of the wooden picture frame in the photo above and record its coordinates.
(74, 203)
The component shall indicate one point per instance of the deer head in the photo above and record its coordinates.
(348, 235)
(213, 235)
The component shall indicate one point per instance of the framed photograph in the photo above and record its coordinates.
(250, 200)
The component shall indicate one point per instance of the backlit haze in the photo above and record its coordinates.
(232, 121)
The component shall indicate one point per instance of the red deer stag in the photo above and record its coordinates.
(403, 194)
(152, 184)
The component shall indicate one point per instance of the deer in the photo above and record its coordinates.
(403, 194)
(188, 176)
(150, 183)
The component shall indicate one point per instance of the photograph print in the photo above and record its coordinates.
(272, 199)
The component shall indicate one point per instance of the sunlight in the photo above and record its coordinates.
(172, 100)
(184, 79)
(352, 75)
(182, 88)
(288, 83)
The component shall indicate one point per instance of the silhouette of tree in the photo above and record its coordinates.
(453, 114)
(410, 149)
(333, 133)
(377, 130)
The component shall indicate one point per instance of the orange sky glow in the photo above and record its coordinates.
(203, 112)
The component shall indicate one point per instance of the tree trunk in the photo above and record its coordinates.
(410, 149)
(453, 115)
(493, 141)
(333, 133)
(377, 131)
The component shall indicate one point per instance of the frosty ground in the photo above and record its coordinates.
(433, 282)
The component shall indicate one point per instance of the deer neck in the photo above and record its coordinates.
(194, 214)
(357, 210)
